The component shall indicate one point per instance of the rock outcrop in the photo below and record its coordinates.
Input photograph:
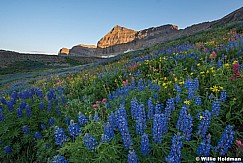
(63, 51)
(118, 35)
(83, 50)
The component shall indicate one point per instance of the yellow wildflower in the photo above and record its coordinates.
(187, 102)
(221, 87)
(201, 117)
(214, 89)
(226, 65)
(191, 73)
(207, 72)
(181, 83)
(198, 64)
(234, 99)
(235, 62)
(164, 84)
(202, 72)
(176, 79)
(212, 71)
(165, 78)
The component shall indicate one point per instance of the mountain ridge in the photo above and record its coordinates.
(121, 39)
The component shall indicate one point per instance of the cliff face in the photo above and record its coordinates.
(83, 50)
(118, 35)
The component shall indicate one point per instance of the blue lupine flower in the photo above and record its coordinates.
(177, 98)
(104, 138)
(175, 151)
(7, 150)
(43, 126)
(223, 95)
(170, 104)
(190, 94)
(205, 147)
(51, 121)
(96, 117)
(123, 128)
(22, 105)
(192, 68)
(155, 95)
(56, 101)
(216, 108)
(145, 147)
(10, 106)
(63, 100)
(50, 95)
(26, 130)
(28, 111)
(19, 112)
(59, 159)
(60, 136)
(226, 141)
(58, 111)
(134, 107)
(38, 135)
(140, 85)
(140, 120)
(108, 131)
(158, 108)
(42, 106)
(39, 94)
(132, 157)
(196, 84)
(112, 120)
(82, 119)
(157, 128)
(205, 119)
(178, 88)
(90, 142)
(108, 105)
(220, 63)
(180, 122)
(198, 101)
(49, 106)
(3, 101)
(2, 118)
(187, 127)
(150, 108)
(67, 120)
(74, 129)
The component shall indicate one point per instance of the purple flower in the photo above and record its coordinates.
(90, 142)
(7, 150)
(205, 146)
(74, 129)
(26, 130)
(145, 147)
(60, 136)
(132, 157)
(175, 151)
(226, 141)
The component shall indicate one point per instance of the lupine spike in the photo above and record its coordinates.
(145, 147)
(175, 151)
(226, 141)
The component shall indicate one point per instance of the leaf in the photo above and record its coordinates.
(228, 116)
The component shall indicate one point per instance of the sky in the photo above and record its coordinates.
(45, 26)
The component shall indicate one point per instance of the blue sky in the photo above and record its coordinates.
(45, 26)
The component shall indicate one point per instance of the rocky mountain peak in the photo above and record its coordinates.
(118, 35)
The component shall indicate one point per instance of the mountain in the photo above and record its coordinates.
(121, 39)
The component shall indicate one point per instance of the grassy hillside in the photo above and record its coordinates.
(171, 102)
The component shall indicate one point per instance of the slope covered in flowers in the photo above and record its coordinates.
(169, 103)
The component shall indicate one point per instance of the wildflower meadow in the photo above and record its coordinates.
(171, 102)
